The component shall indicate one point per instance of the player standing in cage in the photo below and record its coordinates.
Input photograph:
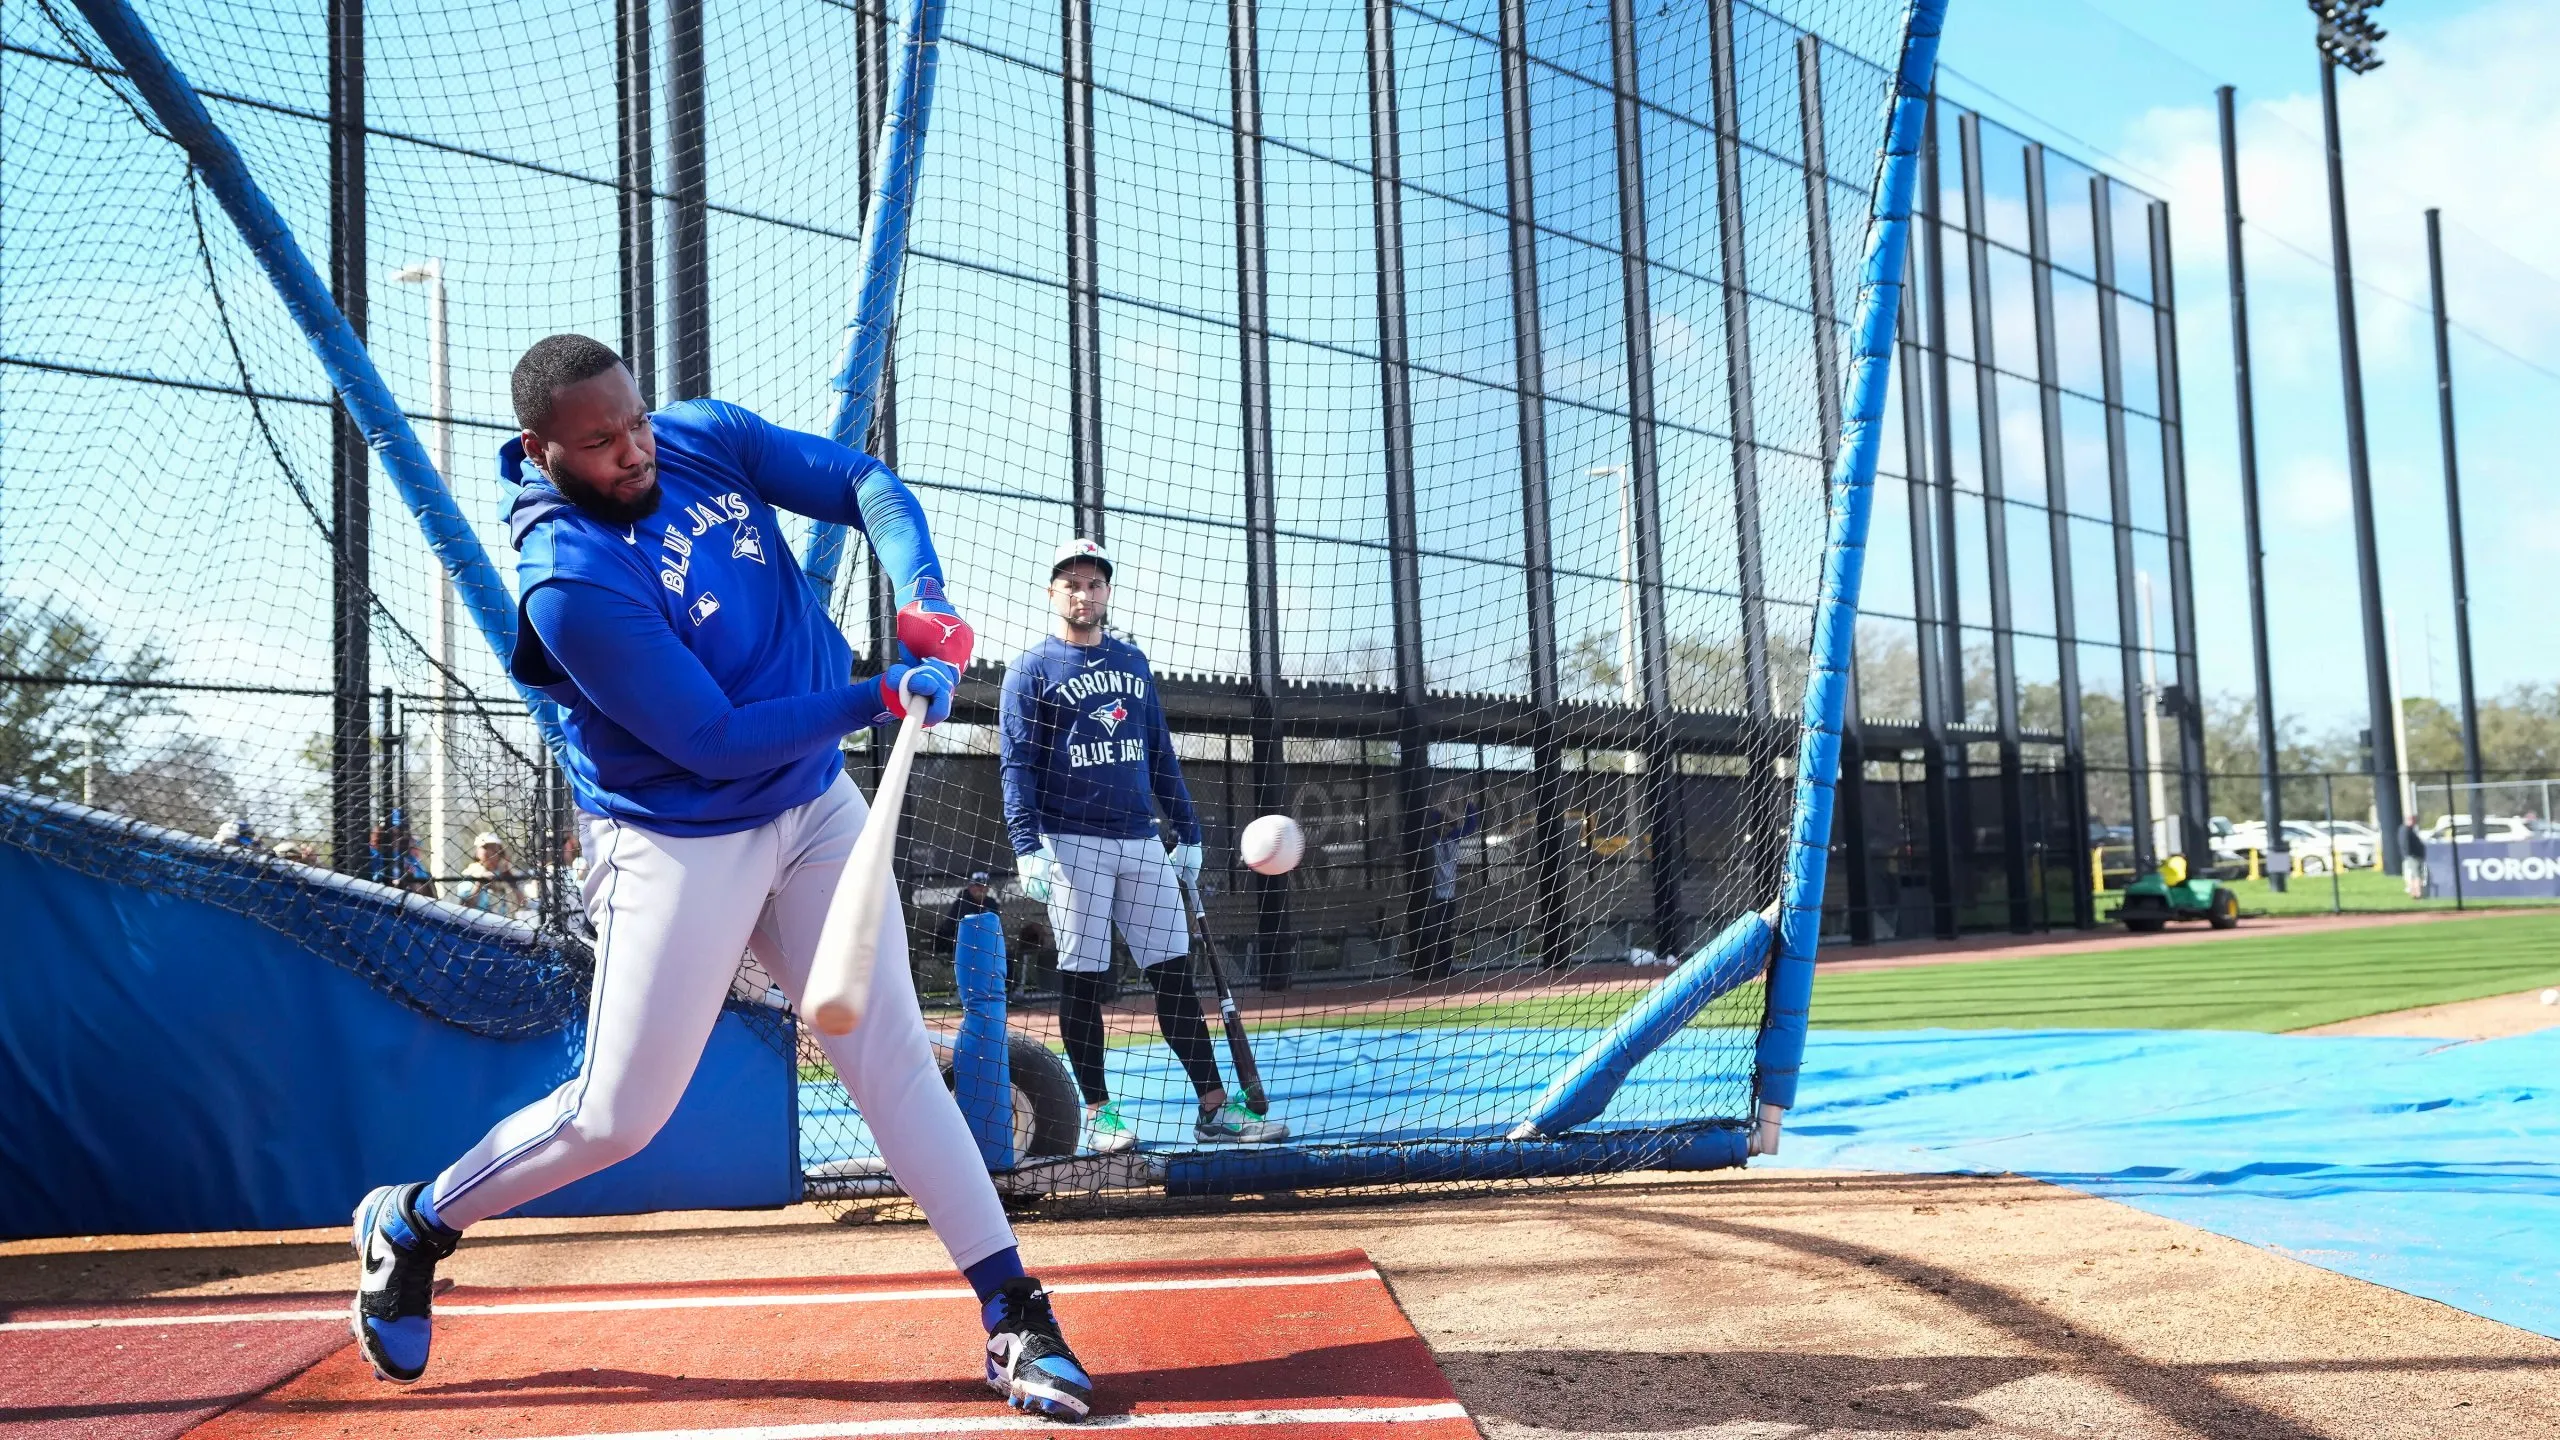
(1088, 760)
(706, 695)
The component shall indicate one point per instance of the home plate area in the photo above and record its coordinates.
(1314, 1345)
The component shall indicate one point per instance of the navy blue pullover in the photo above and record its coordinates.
(706, 690)
(1086, 748)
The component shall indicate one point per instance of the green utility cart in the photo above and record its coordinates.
(2169, 893)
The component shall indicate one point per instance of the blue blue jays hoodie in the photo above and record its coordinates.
(1086, 747)
(706, 691)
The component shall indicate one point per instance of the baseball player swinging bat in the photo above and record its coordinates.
(705, 697)
(1239, 1048)
(839, 989)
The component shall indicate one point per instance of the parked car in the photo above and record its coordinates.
(2314, 849)
(2493, 828)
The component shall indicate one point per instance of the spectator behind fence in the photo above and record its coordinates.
(2413, 860)
(396, 860)
(973, 899)
(1437, 954)
(491, 882)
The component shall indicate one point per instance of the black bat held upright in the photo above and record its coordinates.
(1248, 1074)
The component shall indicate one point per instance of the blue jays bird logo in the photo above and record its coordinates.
(1109, 717)
(748, 544)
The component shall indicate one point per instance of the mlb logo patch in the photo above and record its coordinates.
(704, 607)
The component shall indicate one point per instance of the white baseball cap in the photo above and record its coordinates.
(1080, 549)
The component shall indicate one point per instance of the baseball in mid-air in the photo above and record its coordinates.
(2551, 997)
(1273, 845)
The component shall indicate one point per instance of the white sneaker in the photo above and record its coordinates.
(1106, 1131)
(1233, 1124)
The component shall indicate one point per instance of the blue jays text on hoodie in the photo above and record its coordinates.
(1086, 747)
(706, 689)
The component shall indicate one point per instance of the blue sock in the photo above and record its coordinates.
(988, 1275)
(427, 1209)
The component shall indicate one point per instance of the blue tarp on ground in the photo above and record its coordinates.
(2425, 1165)
(1374, 1084)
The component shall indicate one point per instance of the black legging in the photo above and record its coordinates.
(1177, 1015)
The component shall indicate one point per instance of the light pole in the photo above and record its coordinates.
(2152, 778)
(1628, 685)
(2270, 778)
(442, 858)
(2347, 37)
(2453, 528)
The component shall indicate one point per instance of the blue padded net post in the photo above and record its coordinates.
(1584, 1087)
(982, 1070)
(1790, 983)
(180, 110)
(884, 249)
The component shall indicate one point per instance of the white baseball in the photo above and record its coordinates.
(1273, 845)
(2551, 997)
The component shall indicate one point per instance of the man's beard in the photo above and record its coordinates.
(607, 509)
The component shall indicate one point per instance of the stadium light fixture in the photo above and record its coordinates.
(2348, 35)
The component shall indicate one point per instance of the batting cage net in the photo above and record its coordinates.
(1454, 386)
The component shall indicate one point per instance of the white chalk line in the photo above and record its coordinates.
(339, 1315)
(1002, 1424)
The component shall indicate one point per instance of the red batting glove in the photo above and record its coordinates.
(930, 629)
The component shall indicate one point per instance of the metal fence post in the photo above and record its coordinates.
(1547, 845)
(350, 463)
(2329, 808)
(1274, 936)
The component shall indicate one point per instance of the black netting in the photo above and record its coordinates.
(1535, 708)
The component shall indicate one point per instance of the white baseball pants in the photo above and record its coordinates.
(672, 915)
(1100, 882)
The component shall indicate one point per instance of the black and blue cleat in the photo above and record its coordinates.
(1028, 1361)
(396, 1254)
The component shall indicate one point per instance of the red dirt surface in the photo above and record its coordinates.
(151, 1382)
(1204, 1337)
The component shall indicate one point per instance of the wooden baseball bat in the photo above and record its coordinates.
(849, 943)
(1248, 1074)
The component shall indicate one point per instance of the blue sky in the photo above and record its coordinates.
(2461, 116)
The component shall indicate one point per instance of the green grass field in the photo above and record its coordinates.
(2276, 982)
(2357, 890)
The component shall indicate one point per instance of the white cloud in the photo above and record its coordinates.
(2464, 116)
(2310, 494)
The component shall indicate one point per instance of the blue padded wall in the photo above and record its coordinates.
(166, 1065)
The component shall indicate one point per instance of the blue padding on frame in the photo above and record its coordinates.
(1583, 1089)
(884, 251)
(1879, 307)
(981, 1068)
(1250, 1169)
(168, 1065)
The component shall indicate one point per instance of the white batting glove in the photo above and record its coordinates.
(1186, 861)
(1035, 870)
